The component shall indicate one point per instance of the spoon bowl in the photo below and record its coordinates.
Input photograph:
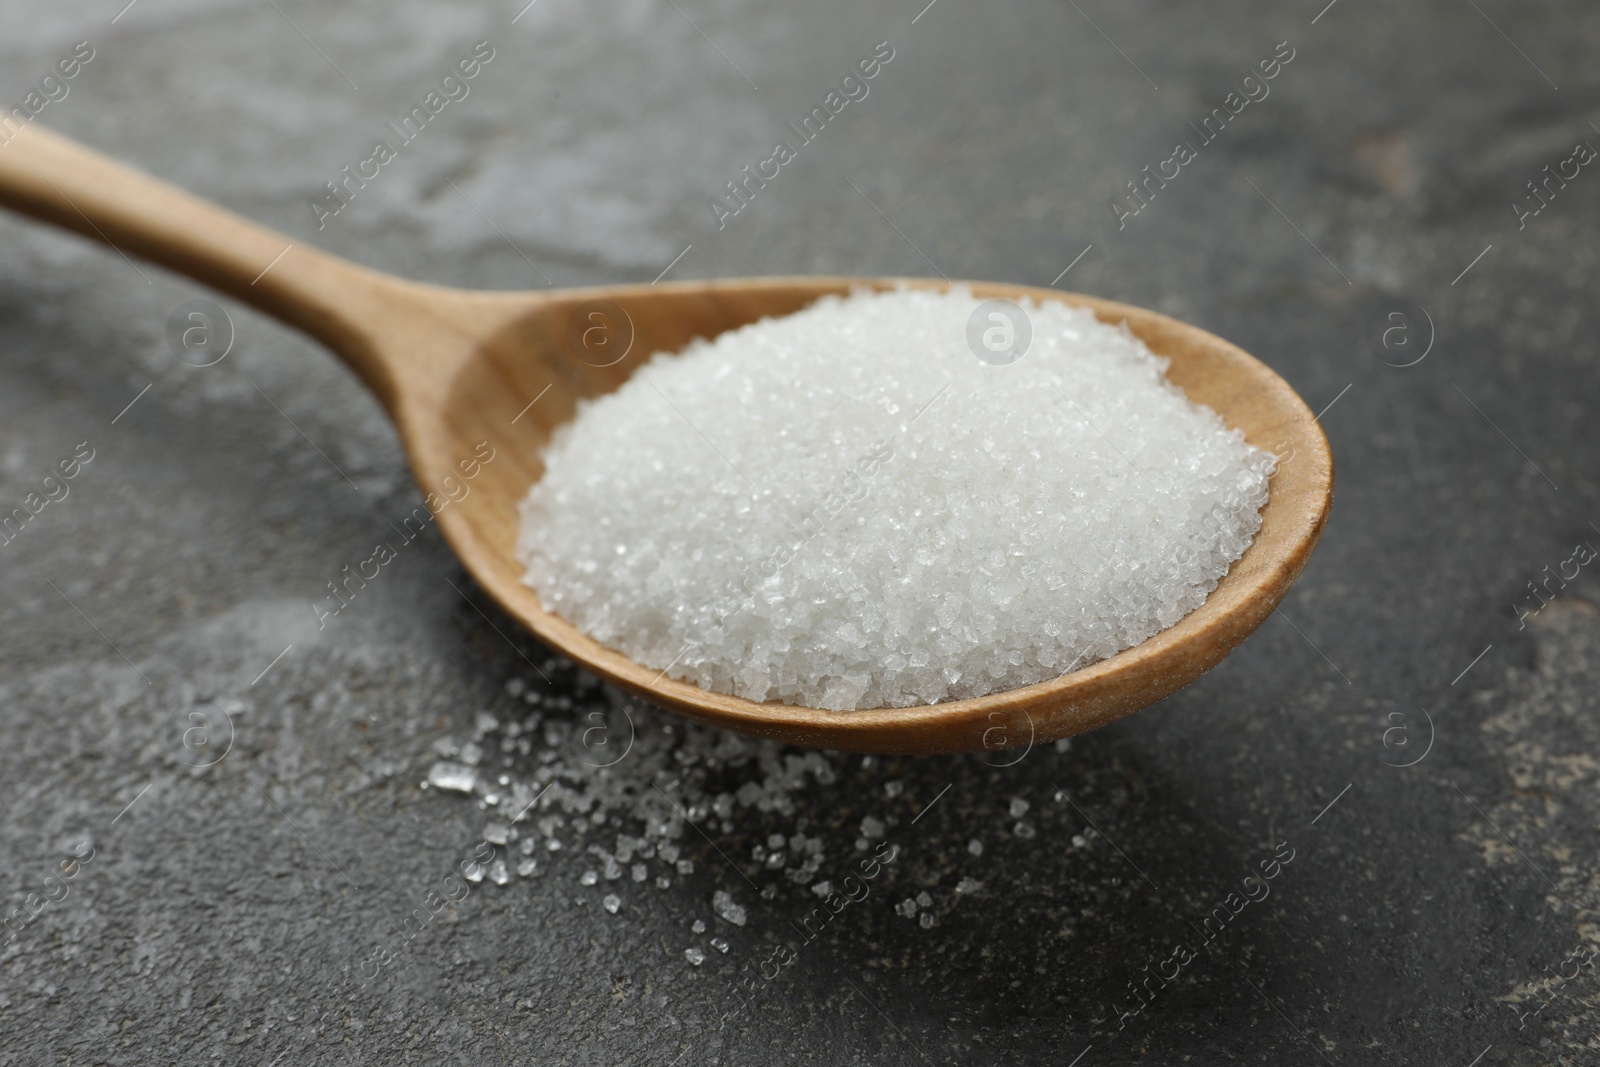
(466, 375)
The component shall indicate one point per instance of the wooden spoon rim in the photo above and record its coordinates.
(1061, 706)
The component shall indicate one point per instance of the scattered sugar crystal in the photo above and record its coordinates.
(694, 956)
(1078, 841)
(640, 872)
(471, 753)
(917, 525)
(871, 828)
(497, 833)
(612, 903)
(894, 788)
(645, 823)
(453, 777)
(723, 904)
(926, 919)
(720, 945)
(1019, 807)
(1023, 830)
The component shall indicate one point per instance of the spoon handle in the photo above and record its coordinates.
(60, 181)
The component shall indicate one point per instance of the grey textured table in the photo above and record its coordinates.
(269, 883)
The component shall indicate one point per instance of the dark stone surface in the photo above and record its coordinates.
(231, 912)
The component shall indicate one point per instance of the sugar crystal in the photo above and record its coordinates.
(844, 508)
(723, 904)
(452, 777)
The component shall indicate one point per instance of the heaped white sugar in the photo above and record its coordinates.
(845, 508)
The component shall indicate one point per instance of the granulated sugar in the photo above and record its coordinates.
(845, 508)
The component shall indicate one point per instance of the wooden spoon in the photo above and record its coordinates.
(456, 368)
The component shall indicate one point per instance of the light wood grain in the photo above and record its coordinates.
(455, 369)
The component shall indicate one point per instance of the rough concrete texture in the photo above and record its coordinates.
(257, 843)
